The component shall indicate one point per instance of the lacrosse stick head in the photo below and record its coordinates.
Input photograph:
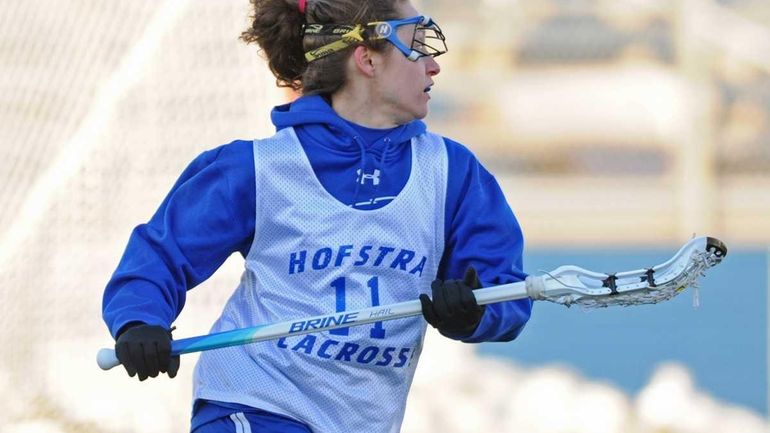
(572, 285)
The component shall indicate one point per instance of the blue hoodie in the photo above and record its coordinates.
(209, 214)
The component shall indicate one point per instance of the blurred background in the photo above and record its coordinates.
(617, 128)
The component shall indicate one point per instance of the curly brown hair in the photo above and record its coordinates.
(276, 28)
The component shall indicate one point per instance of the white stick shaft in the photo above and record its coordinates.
(107, 359)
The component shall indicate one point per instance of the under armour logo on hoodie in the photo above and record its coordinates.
(374, 177)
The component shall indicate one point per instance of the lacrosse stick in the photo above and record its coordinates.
(565, 285)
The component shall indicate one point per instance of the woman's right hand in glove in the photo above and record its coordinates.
(145, 351)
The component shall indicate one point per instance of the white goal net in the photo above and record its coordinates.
(102, 104)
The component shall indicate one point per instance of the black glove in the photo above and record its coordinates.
(145, 350)
(454, 309)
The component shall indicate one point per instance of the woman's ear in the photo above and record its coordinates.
(364, 60)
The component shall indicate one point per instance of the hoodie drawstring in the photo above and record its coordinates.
(384, 156)
(360, 177)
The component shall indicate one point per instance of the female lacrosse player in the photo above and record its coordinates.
(351, 204)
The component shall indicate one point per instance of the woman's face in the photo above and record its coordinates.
(403, 85)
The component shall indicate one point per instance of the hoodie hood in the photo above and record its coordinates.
(332, 141)
(316, 121)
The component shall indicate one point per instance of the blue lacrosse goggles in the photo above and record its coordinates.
(427, 38)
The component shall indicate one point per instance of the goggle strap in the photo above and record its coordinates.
(352, 37)
(326, 29)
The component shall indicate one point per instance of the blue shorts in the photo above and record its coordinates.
(246, 422)
(222, 417)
